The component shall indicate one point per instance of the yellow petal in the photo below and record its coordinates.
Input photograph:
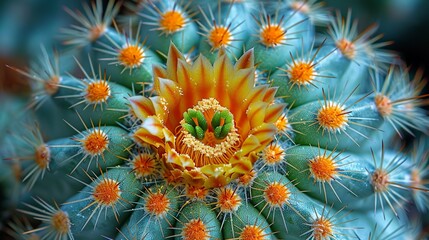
(265, 134)
(202, 72)
(256, 113)
(142, 106)
(273, 112)
(250, 144)
(246, 60)
(174, 55)
(223, 70)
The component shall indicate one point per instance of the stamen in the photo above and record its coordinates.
(272, 35)
(95, 143)
(195, 229)
(157, 204)
(301, 73)
(107, 192)
(219, 36)
(332, 117)
(252, 232)
(276, 194)
(323, 168)
(205, 143)
(131, 56)
(97, 92)
(172, 21)
(322, 229)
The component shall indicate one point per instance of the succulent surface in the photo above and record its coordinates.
(220, 120)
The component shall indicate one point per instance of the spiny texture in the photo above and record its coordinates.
(221, 120)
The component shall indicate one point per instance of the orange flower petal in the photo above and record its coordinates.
(256, 113)
(142, 106)
(202, 72)
(223, 70)
(273, 112)
(246, 60)
(174, 56)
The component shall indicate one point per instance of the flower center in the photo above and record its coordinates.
(383, 104)
(97, 92)
(172, 21)
(60, 222)
(347, 48)
(95, 142)
(301, 73)
(43, 155)
(332, 117)
(276, 194)
(380, 180)
(272, 35)
(144, 165)
(107, 192)
(273, 154)
(207, 134)
(322, 229)
(228, 200)
(219, 36)
(131, 56)
(195, 229)
(252, 232)
(322, 168)
(157, 204)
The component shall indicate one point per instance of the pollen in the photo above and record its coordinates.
(228, 200)
(157, 204)
(301, 73)
(42, 156)
(383, 104)
(332, 117)
(95, 143)
(219, 36)
(282, 124)
(323, 168)
(322, 229)
(347, 48)
(195, 229)
(131, 56)
(273, 154)
(51, 85)
(272, 35)
(172, 21)
(209, 150)
(380, 180)
(60, 222)
(144, 165)
(97, 92)
(252, 232)
(107, 192)
(276, 194)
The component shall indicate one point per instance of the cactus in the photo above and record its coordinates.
(221, 120)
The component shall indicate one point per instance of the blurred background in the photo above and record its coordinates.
(26, 24)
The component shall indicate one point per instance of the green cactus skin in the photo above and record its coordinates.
(272, 128)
